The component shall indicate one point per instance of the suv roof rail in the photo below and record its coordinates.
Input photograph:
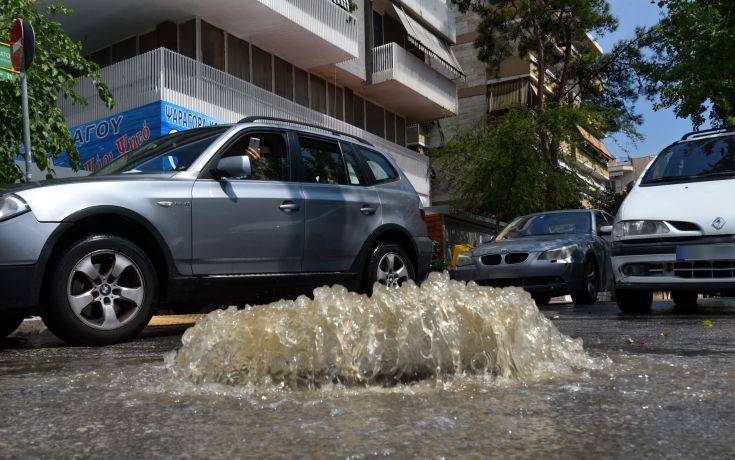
(705, 132)
(254, 118)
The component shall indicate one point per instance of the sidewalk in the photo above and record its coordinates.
(34, 325)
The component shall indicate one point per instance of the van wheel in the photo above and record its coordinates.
(685, 300)
(541, 299)
(630, 301)
(9, 322)
(102, 292)
(390, 266)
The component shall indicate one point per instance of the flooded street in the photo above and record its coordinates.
(666, 394)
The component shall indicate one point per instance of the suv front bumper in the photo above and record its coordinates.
(24, 242)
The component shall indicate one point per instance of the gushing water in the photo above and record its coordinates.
(440, 329)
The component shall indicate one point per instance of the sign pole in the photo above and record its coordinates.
(26, 123)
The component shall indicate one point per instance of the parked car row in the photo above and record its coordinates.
(675, 231)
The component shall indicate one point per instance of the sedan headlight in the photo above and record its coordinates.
(561, 255)
(464, 260)
(11, 206)
(637, 228)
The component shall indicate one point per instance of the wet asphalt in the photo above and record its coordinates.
(667, 393)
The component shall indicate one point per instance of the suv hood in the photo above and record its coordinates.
(527, 244)
(16, 188)
(697, 202)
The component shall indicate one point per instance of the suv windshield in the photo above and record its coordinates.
(557, 223)
(175, 152)
(703, 159)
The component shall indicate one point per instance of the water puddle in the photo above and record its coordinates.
(442, 329)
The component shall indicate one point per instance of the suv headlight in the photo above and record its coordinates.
(464, 260)
(562, 255)
(636, 228)
(11, 206)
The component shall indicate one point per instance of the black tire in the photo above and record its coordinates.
(591, 279)
(685, 300)
(9, 322)
(379, 256)
(632, 301)
(91, 325)
(541, 299)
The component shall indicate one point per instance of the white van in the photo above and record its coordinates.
(675, 231)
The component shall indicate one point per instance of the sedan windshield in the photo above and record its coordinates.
(704, 159)
(557, 223)
(175, 152)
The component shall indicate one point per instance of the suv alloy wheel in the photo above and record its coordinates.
(102, 293)
(390, 266)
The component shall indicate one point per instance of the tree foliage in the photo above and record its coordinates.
(57, 64)
(689, 66)
(529, 162)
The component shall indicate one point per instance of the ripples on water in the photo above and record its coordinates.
(443, 328)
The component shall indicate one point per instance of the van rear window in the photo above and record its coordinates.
(703, 159)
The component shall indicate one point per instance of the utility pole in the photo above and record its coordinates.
(22, 49)
(26, 123)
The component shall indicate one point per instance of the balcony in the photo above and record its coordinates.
(437, 14)
(165, 75)
(406, 84)
(307, 33)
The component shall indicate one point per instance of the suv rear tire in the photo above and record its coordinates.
(9, 322)
(631, 301)
(389, 265)
(102, 292)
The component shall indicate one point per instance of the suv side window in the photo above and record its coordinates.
(273, 162)
(323, 162)
(378, 165)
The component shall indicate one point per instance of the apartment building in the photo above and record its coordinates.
(371, 68)
(485, 92)
(624, 172)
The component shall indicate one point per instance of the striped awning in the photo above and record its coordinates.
(427, 42)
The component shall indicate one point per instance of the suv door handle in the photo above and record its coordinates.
(367, 210)
(289, 206)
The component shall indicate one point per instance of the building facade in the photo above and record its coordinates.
(624, 172)
(371, 68)
(485, 92)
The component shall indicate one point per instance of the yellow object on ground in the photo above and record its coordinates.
(174, 320)
(458, 250)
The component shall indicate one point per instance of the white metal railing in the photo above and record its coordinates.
(437, 14)
(323, 17)
(163, 74)
(393, 62)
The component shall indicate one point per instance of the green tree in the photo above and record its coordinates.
(576, 86)
(689, 66)
(57, 64)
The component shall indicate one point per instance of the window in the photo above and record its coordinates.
(124, 50)
(273, 162)
(301, 85)
(188, 37)
(377, 29)
(284, 78)
(354, 172)
(213, 46)
(262, 69)
(175, 152)
(322, 160)
(238, 57)
(318, 94)
(375, 119)
(703, 159)
(379, 166)
(400, 131)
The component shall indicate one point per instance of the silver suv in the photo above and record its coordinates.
(212, 215)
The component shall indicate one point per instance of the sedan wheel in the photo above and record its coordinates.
(102, 292)
(591, 283)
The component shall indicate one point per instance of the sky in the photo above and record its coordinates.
(659, 128)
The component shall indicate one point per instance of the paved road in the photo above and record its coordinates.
(666, 392)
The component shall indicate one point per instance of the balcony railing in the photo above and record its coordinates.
(393, 62)
(166, 75)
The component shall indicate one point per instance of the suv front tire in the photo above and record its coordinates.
(101, 292)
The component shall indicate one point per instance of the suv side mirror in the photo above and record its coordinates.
(238, 166)
(605, 230)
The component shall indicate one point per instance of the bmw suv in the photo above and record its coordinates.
(211, 216)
